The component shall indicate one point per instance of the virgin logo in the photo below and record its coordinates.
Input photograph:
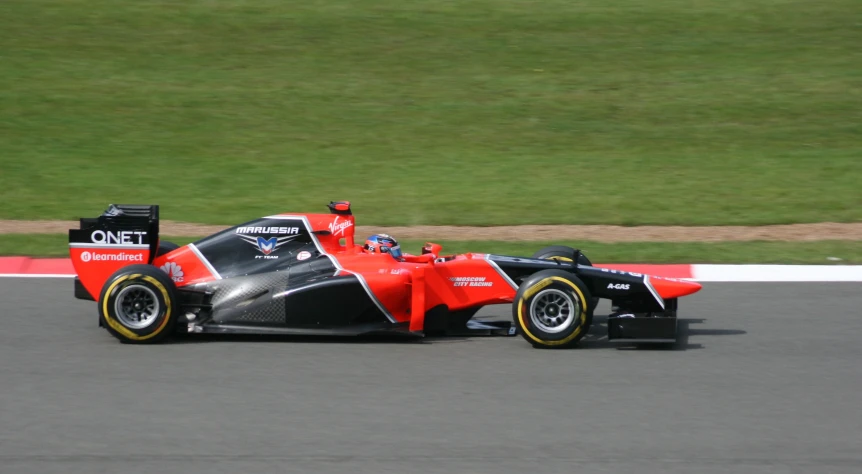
(337, 228)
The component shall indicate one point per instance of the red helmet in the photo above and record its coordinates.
(383, 243)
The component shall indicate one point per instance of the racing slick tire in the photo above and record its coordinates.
(563, 253)
(166, 247)
(138, 304)
(552, 309)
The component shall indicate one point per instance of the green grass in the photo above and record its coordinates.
(54, 245)
(469, 112)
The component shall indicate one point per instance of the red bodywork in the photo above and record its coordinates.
(406, 289)
(403, 288)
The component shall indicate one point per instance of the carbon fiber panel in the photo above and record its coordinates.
(248, 299)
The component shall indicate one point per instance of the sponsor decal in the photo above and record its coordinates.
(338, 228)
(620, 272)
(393, 271)
(268, 230)
(123, 237)
(618, 286)
(174, 271)
(267, 245)
(111, 257)
(304, 255)
(470, 281)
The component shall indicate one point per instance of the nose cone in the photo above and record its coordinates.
(672, 288)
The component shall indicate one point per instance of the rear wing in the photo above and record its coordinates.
(124, 234)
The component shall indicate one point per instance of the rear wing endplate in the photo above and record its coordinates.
(121, 224)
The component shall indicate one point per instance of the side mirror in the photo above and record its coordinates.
(432, 248)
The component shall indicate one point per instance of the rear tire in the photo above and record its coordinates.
(552, 309)
(138, 304)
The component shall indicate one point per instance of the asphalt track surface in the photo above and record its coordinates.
(767, 378)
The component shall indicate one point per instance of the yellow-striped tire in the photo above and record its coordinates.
(563, 253)
(138, 305)
(552, 309)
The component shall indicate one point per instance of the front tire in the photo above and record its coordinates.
(561, 253)
(552, 309)
(138, 304)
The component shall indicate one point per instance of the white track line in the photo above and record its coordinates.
(700, 273)
(777, 273)
(36, 275)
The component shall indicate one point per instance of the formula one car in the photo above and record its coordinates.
(303, 274)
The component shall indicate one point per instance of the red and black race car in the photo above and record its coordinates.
(303, 274)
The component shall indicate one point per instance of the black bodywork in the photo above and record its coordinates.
(275, 291)
(278, 292)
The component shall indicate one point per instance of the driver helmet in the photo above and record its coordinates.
(383, 243)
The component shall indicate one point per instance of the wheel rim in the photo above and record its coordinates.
(136, 306)
(553, 310)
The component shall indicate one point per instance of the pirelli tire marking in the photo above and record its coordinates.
(124, 331)
(538, 286)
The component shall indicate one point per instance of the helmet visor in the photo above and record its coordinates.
(395, 251)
